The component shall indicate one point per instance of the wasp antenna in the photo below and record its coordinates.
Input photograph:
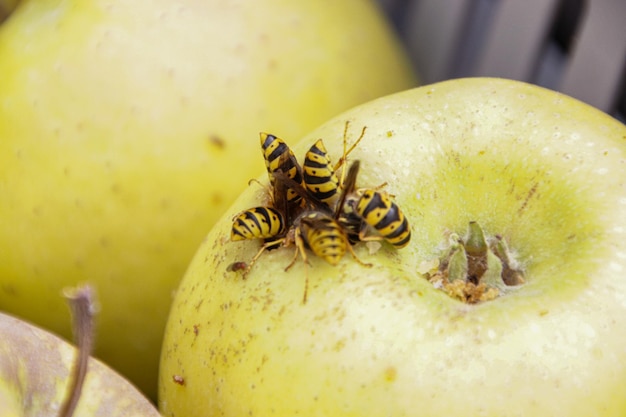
(259, 253)
(347, 152)
(356, 258)
(255, 181)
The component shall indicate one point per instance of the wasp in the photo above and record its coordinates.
(319, 175)
(270, 223)
(363, 210)
(279, 157)
(258, 222)
(378, 211)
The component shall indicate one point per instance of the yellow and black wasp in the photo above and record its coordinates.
(380, 212)
(272, 222)
(361, 211)
(370, 214)
(269, 223)
(375, 211)
(320, 176)
(279, 157)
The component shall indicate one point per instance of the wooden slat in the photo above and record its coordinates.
(596, 67)
(433, 30)
(514, 42)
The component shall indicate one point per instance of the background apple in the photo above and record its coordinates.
(128, 127)
(35, 369)
(544, 171)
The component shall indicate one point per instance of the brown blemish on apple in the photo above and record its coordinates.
(339, 345)
(116, 188)
(216, 142)
(198, 304)
(217, 199)
(9, 289)
(390, 374)
(179, 380)
(104, 242)
(529, 195)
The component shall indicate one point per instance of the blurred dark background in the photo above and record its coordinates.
(574, 46)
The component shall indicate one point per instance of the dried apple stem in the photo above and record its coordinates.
(6, 8)
(82, 305)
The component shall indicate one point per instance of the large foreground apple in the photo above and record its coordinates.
(127, 128)
(540, 170)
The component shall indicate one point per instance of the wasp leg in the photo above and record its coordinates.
(302, 251)
(299, 250)
(267, 188)
(356, 258)
(381, 186)
(258, 254)
(365, 237)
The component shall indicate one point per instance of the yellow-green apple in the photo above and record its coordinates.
(35, 373)
(519, 164)
(127, 128)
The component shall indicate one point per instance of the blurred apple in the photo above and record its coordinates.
(128, 127)
(35, 370)
(538, 169)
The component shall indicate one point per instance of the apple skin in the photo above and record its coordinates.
(126, 131)
(35, 369)
(542, 169)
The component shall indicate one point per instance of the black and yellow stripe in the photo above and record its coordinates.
(278, 157)
(319, 175)
(324, 236)
(257, 223)
(380, 212)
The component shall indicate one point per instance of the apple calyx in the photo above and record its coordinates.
(475, 268)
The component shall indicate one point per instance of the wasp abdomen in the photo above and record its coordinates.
(319, 175)
(257, 223)
(378, 211)
(324, 237)
(279, 157)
